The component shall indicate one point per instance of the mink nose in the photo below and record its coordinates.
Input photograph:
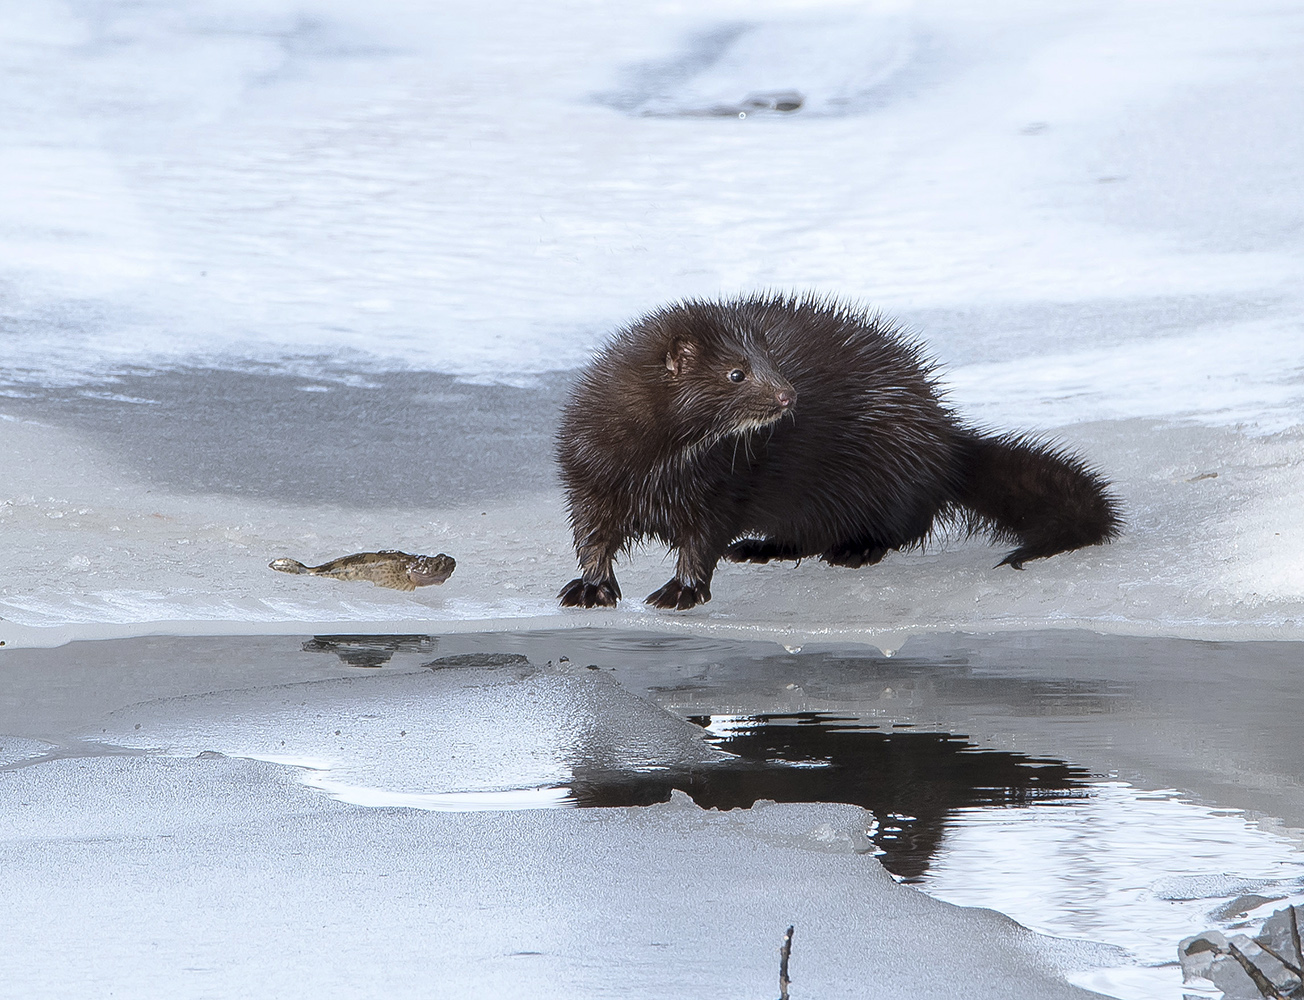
(786, 397)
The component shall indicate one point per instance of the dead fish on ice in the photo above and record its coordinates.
(387, 568)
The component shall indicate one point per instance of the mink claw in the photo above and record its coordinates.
(578, 594)
(676, 596)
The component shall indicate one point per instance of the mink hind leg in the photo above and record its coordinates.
(760, 550)
(866, 543)
(856, 553)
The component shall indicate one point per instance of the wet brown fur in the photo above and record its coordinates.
(835, 443)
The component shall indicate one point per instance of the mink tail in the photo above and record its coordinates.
(1044, 499)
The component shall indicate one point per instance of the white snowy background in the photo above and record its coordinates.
(487, 189)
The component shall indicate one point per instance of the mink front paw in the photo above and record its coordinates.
(676, 596)
(578, 594)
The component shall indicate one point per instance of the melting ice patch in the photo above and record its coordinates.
(18, 752)
(1139, 869)
(494, 801)
(491, 737)
(135, 606)
(1251, 375)
(818, 67)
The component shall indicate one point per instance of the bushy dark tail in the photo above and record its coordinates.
(1042, 498)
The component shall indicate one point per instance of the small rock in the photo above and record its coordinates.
(1197, 954)
(478, 660)
(1241, 906)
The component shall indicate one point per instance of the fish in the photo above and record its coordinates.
(386, 568)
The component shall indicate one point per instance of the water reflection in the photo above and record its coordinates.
(912, 782)
(946, 678)
(377, 650)
(369, 650)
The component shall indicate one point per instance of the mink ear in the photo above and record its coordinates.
(680, 354)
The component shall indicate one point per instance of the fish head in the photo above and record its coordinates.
(423, 571)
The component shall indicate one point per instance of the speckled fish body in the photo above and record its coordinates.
(387, 568)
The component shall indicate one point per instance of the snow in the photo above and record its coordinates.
(352, 902)
(1211, 549)
(406, 186)
(1090, 214)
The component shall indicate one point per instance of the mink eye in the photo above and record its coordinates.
(737, 375)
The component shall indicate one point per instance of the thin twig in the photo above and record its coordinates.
(1294, 933)
(784, 954)
(1263, 983)
(1284, 961)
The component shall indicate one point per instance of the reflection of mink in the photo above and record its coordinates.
(778, 428)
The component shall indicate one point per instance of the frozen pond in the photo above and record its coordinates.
(1003, 773)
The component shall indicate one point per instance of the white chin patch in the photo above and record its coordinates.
(757, 423)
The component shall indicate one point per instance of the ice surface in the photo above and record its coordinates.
(508, 729)
(513, 722)
(240, 878)
(1212, 548)
(254, 244)
(1030, 864)
(16, 750)
(831, 63)
(351, 902)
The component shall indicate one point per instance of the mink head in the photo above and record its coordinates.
(723, 382)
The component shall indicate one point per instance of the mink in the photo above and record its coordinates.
(775, 427)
